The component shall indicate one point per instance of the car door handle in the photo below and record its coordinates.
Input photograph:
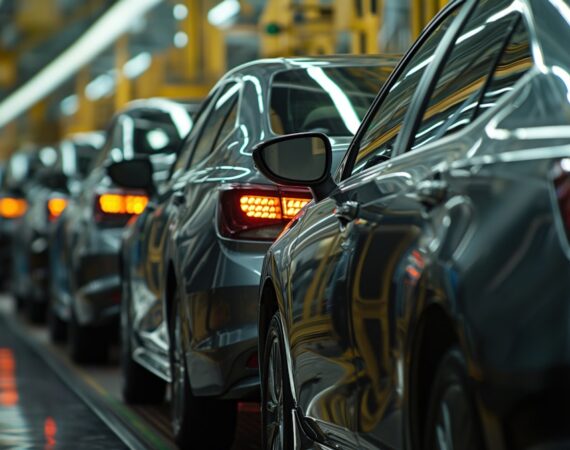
(431, 192)
(178, 198)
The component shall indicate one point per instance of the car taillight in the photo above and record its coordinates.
(12, 208)
(117, 208)
(258, 212)
(55, 207)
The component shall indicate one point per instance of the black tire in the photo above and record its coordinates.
(197, 422)
(452, 421)
(57, 328)
(87, 344)
(139, 385)
(276, 399)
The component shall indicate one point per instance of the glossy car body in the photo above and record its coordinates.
(89, 299)
(63, 168)
(179, 261)
(458, 244)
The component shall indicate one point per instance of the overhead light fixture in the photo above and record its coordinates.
(101, 86)
(222, 14)
(114, 23)
(180, 39)
(69, 105)
(138, 65)
(180, 11)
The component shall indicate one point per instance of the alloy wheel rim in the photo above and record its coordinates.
(275, 426)
(178, 374)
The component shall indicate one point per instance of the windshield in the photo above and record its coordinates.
(331, 100)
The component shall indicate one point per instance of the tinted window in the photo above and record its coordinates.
(454, 101)
(330, 100)
(214, 121)
(515, 61)
(378, 140)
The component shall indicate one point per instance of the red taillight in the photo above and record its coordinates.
(12, 208)
(118, 207)
(55, 207)
(258, 212)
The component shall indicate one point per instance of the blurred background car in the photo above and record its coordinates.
(95, 220)
(191, 264)
(18, 177)
(60, 173)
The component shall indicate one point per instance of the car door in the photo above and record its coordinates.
(404, 208)
(148, 310)
(327, 249)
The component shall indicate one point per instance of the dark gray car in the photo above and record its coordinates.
(95, 220)
(192, 265)
(422, 301)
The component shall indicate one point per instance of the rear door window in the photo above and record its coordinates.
(515, 61)
(378, 140)
(460, 85)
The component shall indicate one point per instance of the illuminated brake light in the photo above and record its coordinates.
(258, 212)
(56, 206)
(12, 208)
(122, 204)
(261, 207)
(292, 206)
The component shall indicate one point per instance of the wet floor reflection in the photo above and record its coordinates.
(37, 411)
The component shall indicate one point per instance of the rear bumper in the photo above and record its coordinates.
(222, 359)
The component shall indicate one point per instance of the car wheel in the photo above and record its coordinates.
(277, 426)
(197, 422)
(87, 344)
(453, 422)
(57, 328)
(139, 385)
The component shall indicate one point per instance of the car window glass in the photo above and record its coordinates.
(112, 137)
(377, 142)
(214, 122)
(229, 124)
(331, 100)
(456, 95)
(515, 61)
(185, 152)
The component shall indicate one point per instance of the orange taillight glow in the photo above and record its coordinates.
(292, 206)
(12, 208)
(8, 388)
(266, 207)
(56, 206)
(261, 207)
(122, 204)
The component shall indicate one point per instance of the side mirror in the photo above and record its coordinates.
(302, 159)
(132, 173)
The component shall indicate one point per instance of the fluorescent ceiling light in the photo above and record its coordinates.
(101, 86)
(223, 13)
(135, 67)
(114, 23)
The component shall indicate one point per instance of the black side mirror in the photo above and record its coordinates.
(132, 173)
(302, 159)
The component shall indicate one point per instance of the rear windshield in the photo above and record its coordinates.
(330, 100)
